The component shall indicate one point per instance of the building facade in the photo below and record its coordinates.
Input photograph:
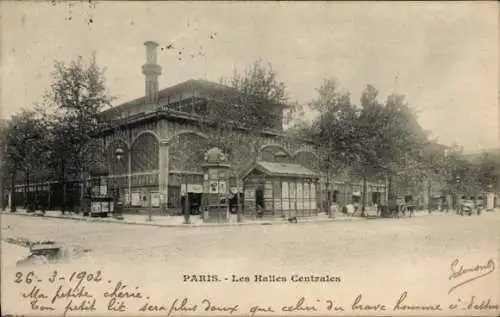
(164, 148)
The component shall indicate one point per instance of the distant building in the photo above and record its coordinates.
(432, 190)
(493, 154)
(3, 175)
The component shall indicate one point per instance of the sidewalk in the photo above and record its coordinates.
(196, 221)
(175, 221)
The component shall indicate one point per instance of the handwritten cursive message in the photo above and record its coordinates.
(75, 294)
(469, 273)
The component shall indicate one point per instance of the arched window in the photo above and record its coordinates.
(145, 154)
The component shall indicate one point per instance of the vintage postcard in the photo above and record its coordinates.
(249, 158)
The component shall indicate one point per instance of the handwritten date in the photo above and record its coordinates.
(80, 277)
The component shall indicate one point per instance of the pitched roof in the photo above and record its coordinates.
(282, 169)
(200, 87)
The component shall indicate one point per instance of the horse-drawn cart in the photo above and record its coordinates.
(467, 207)
(395, 208)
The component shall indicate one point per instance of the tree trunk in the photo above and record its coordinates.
(187, 212)
(82, 192)
(2, 188)
(429, 194)
(327, 192)
(64, 189)
(238, 200)
(64, 196)
(186, 208)
(13, 192)
(29, 205)
(363, 207)
(390, 192)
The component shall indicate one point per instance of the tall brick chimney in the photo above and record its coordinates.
(151, 71)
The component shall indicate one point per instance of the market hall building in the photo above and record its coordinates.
(165, 155)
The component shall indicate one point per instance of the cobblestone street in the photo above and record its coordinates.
(410, 253)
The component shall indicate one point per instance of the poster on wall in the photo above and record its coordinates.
(222, 187)
(238, 189)
(125, 197)
(218, 187)
(136, 199)
(95, 207)
(191, 188)
(195, 188)
(155, 199)
(103, 189)
(213, 188)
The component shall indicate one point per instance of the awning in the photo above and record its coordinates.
(283, 170)
(356, 193)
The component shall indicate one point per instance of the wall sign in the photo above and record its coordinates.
(235, 190)
(191, 188)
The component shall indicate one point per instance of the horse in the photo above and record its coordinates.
(394, 210)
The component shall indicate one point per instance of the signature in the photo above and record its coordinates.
(476, 272)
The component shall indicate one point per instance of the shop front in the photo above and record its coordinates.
(280, 189)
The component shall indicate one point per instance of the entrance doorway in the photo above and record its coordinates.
(233, 203)
(259, 197)
(194, 203)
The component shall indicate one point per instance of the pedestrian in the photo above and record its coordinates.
(334, 209)
(260, 211)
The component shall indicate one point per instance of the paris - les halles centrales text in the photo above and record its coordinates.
(261, 278)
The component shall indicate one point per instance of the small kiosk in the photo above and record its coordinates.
(490, 201)
(215, 199)
(100, 199)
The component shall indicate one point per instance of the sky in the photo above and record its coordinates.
(444, 56)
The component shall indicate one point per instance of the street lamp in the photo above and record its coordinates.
(457, 180)
(119, 153)
(117, 203)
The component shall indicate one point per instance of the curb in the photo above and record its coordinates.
(201, 225)
(206, 225)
